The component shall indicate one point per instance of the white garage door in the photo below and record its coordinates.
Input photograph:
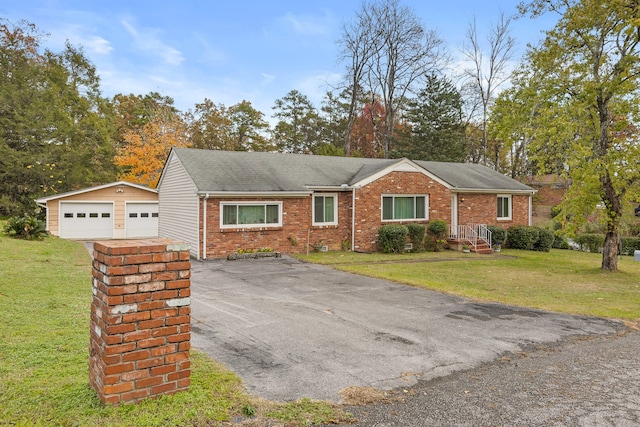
(86, 220)
(141, 220)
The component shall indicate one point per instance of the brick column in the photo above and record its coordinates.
(140, 319)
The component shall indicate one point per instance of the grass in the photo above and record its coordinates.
(45, 296)
(563, 281)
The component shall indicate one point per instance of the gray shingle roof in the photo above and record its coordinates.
(236, 171)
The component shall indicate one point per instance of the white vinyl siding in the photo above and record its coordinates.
(178, 206)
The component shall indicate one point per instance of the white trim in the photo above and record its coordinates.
(454, 211)
(426, 207)
(335, 209)
(403, 165)
(204, 227)
(245, 203)
(505, 218)
(254, 194)
(494, 191)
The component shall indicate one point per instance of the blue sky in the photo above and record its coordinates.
(229, 51)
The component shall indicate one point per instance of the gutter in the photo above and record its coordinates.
(254, 194)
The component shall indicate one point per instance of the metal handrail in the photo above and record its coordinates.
(471, 233)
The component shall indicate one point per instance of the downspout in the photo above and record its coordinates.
(530, 209)
(204, 228)
(353, 219)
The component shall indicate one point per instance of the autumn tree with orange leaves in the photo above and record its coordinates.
(146, 148)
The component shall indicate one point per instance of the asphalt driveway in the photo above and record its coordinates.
(293, 330)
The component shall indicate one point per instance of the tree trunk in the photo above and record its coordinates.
(610, 251)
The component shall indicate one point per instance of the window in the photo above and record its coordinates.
(133, 215)
(93, 215)
(325, 209)
(398, 208)
(81, 215)
(154, 214)
(106, 215)
(504, 207)
(144, 215)
(68, 215)
(251, 215)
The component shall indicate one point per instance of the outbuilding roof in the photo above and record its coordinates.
(215, 171)
(99, 187)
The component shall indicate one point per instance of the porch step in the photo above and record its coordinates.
(482, 248)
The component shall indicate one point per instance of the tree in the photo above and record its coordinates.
(211, 128)
(368, 131)
(591, 66)
(435, 129)
(297, 130)
(249, 128)
(146, 149)
(387, 50)
(131, 112)
(54, 131)
(484, 80)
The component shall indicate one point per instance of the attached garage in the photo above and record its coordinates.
(112, 211)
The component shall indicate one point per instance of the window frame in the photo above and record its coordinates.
(250, 203)
(334, 196)
(394, 196)
(508, 197)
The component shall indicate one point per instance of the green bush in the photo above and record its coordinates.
(629, 245)
(544, 241)
(522, 237)
(590, 242)
(437, 228)
(498, 235)
(392, 238)
(416, 236)
(438, 232)
(26, 227)
(560, 242)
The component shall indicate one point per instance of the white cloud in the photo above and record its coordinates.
(267, 78)
(97, 45)
(148, 40)
(306, 25)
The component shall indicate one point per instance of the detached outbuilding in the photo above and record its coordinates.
(222, 202)
(111, 211)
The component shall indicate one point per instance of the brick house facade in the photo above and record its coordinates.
(226, 202)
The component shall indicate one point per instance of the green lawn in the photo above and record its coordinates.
(45, 296)
(560, 280)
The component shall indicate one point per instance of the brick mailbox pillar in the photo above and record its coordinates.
(140, 319)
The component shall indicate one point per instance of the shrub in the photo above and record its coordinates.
(416, 236)
(544, 241)
(590, 242)
(392, 238)
(522, 237)
(26, 227)
(437, 228)
(560, 242)
(629, 245)
(498, 235)
(438, 232)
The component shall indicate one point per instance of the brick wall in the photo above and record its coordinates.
(482, 209)
(140, 319)
(297, 217)
(369, 203)
(294, 236)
